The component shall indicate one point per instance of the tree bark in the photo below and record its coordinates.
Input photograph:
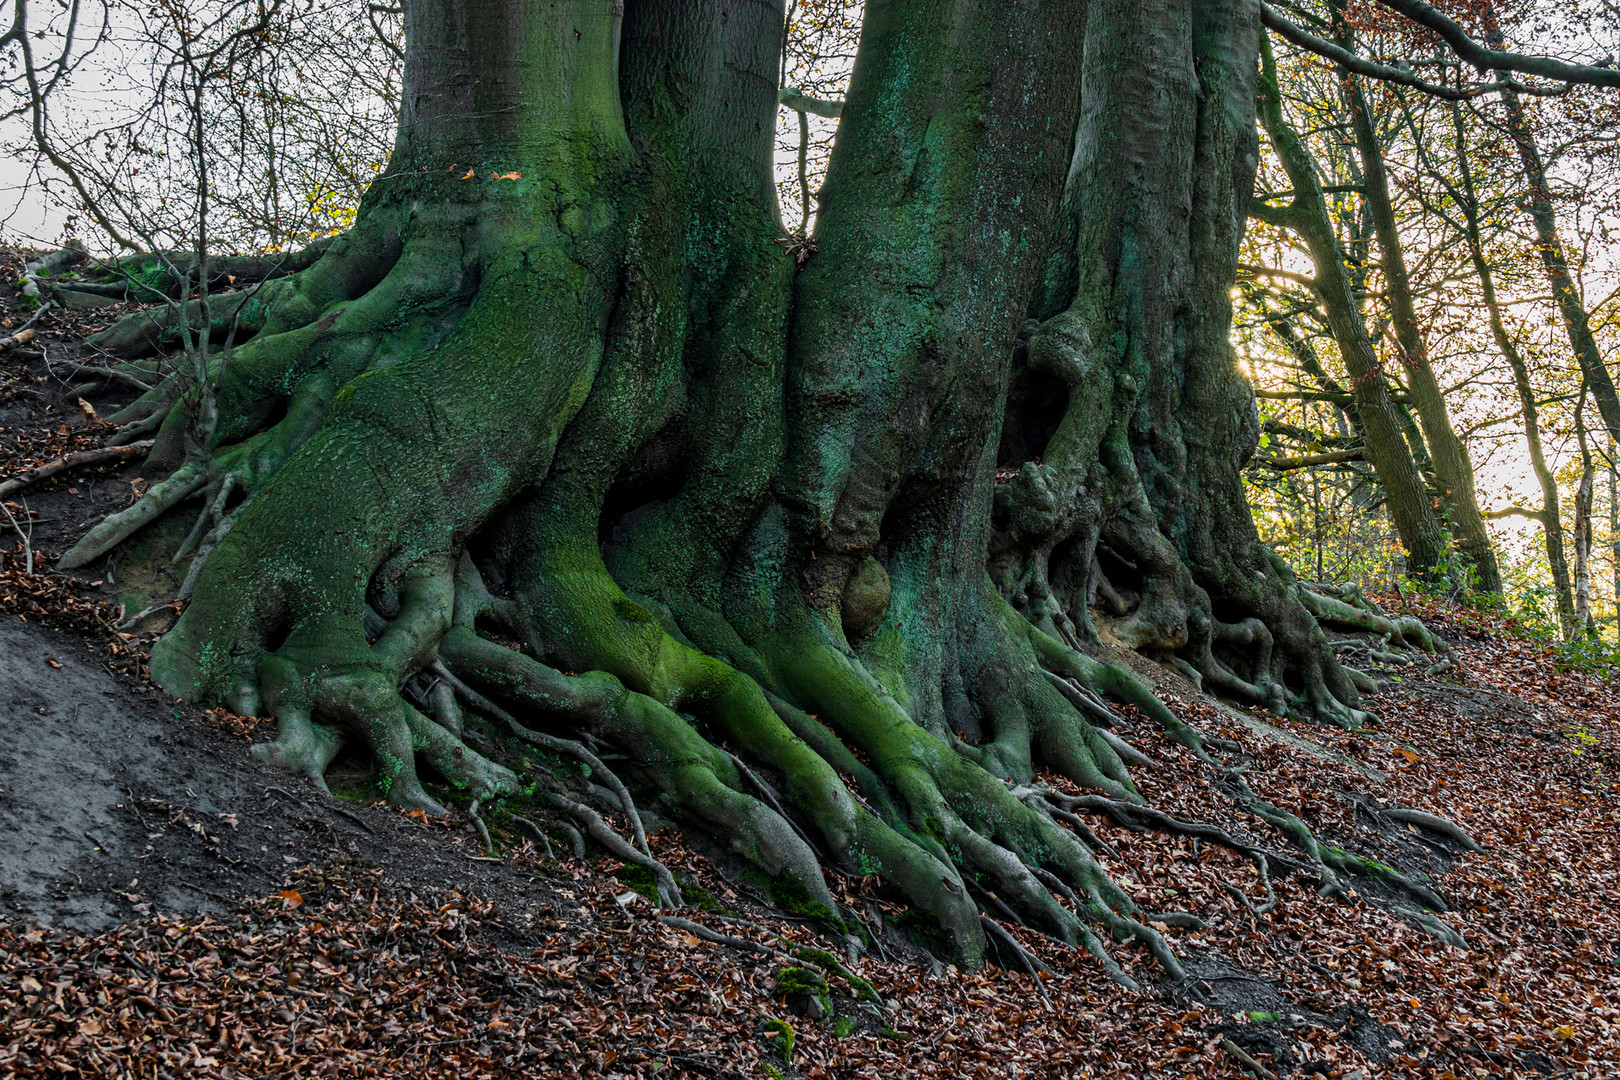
(563, 387)
(1551, 515)
(1447, 455)
(1410, 504)
(1583, 530)
(1538, 202)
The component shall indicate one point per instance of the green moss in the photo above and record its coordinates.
(865, 599)
(922, 930)
(784, 1038)
(702, 899)
(790, 896)
(640, 879)
(830, 963)
(804, 984)
(843, 1027)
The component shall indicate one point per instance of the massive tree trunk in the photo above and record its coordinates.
(561, 402)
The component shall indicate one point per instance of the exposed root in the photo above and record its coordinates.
(575, 838)
(537, 832)
(1025, 960)
(1441, 826)
(1131, 816)
(508, 374)
(1353, 611)
(570, 747)
(669, 894)
(480, 828)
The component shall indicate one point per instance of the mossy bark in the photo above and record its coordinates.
(1410, 505)
(562, 386)
(1448, 455)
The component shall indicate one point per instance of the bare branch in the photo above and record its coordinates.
(1495, 60)
(1405, 76)
(1306, 461)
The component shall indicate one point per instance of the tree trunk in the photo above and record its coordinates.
(1410, 504)
(562, 387)
(1552, 528)
(1583, 529)
(1539, 203)
(1448, 456)
(1614, 531)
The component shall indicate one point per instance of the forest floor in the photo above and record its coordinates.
(169, 906)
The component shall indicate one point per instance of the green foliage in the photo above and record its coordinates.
(1588, 653)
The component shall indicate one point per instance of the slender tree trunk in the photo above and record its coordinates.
(1448, 456)
(1614, 532)
(1551, 516)
(1583, 527)
(1410, 504)
(1538, 202)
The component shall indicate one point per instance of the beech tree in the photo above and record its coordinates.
(821, 536)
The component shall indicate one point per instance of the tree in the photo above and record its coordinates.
(1465, 197)
(1450, 458)
(833, 543)
(1307, 214)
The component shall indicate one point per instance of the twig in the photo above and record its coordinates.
(770, 797)
(482, 830)
(1246, 1061)
(310, 811)
(697, 929)
(27, 537)
(77, 368)
(72, 461)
